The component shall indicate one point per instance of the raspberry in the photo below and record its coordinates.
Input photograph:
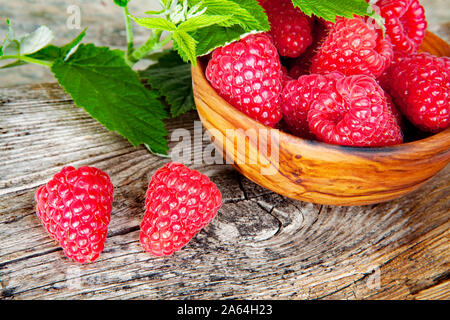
(75, 208)
(290, 28)
(353, 47)
(296, 99)
(353, 111)
(247, 74)
(179, 203)
(301, 65)
(420, 86)
(405, 23)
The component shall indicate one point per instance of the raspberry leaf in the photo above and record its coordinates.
(202, 21)
(216, 36)
(245, 17)
(329, 9)
(171, 76)
(205, 23)
(69, 48)
(246, 13)
(156, 23)
(186, 45)
(99, 80)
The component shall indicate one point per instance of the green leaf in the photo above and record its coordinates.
(99, 80)
(156, 23)
(213, 37)
(246, 13)
(328, 10)
(247, 16)
(52, 52)
(186, 45)
(48, 53)
(67, 49)
(171, 76)
(202, 21)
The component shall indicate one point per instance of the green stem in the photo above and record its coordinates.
(129, 31)
(153, 43)
(36, 61)
(163, 42)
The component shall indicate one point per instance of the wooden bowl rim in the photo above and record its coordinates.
(414, 147)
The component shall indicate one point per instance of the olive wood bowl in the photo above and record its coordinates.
(314, 171)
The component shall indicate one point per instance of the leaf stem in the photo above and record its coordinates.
(152, 44)
(129, 31)
(36, 61)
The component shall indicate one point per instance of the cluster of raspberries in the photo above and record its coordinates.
(343, 83)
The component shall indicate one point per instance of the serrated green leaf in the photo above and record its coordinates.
(202, 21)
(171, 76)
(329, 10)
(99, 80)
(246, 13)
(186, 45)
(155, 23)
(213, 37)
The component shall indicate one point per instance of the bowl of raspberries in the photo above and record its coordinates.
(344, 113)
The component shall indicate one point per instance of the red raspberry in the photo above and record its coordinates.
(301, 65)
(75, 208)
(405, 23)
(354, 111)
(247, 74)
(296, 99)
(180, 202)
(353, 47)
(290, 28)
(420, 86)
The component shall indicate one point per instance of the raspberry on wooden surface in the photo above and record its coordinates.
(75, 208)
(179, 203)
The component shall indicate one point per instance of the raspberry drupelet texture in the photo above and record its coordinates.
(405, 23)
(301, 65)
(291, 29)
(420, 86)
(75, 208)
(353, 111)
(179, 203)
(247, 74)
(353, 47)
(296, 99)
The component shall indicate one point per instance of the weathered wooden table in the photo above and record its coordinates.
(260, 245)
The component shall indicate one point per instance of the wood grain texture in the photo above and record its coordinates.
(318, 172)
(260, 245)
